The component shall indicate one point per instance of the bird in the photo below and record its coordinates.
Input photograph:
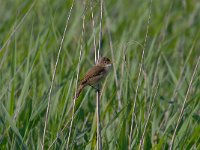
(95, 75)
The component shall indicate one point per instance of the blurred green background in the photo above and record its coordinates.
(30, 37)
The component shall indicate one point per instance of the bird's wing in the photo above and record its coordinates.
(94, 71)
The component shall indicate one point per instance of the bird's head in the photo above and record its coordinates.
(104, 62)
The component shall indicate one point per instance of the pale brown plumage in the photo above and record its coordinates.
(95, 74)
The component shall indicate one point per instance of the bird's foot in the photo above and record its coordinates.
(96, 88)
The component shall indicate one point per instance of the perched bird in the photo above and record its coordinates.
(95, 75)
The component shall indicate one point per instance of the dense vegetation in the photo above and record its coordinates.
(154, 99)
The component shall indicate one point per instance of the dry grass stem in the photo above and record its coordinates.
(115, 71)
(184, 102)
(178, 86)
(98, 94)
(77, 77)
(94, 32)
(54, 73)
(139, 74)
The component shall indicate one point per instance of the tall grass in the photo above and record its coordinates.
(166, 93)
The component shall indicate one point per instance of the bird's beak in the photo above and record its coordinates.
(109, 65)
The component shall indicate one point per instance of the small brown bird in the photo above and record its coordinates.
(95, 74)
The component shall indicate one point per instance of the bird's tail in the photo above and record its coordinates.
(79, 90)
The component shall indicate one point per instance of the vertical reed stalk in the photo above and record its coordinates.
(99, 141)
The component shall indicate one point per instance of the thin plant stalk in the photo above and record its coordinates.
(183, 106)
(178, 86)
(94, 33)
(98, 94)
(74, 102)
(54, 73)
(114, 67)
(67, 123)
(99, 141)
(139, 74)
(77, 77)
(141, 146)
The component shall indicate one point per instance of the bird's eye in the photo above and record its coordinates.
(105, 62)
